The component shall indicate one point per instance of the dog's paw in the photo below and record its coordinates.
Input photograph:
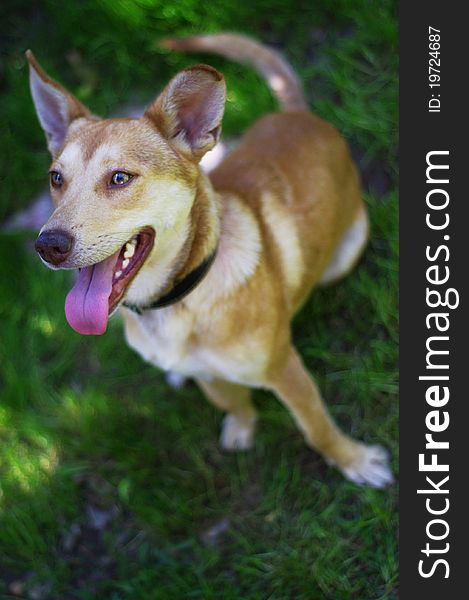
(237, 433)
(370, 467)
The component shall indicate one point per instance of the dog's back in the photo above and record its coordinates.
(294, 171)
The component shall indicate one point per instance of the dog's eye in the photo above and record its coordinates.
(120, 178)
(56, 178)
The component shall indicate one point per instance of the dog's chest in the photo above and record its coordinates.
(169, 341)
(161, 337)
(166, 339)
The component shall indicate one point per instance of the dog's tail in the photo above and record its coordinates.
(278, 73)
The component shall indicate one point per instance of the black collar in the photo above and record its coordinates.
(181, 289)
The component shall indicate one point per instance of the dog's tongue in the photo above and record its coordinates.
(87, 303)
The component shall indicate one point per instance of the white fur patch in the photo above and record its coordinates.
(348, 250)
(167, 332)
(371, 467)
(283, 230)
(238, 252)
(71, 157)
(277, 83)
(237, 433)
(213, 157)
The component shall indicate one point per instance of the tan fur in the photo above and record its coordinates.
(277, 209)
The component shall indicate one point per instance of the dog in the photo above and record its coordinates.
(208, 271)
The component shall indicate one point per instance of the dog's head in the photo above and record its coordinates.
(123, 188)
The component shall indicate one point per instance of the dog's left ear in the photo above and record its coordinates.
(190, 109)
(55, 107)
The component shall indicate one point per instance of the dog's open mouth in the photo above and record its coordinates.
(100, 287)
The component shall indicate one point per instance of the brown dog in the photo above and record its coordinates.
(208, 271)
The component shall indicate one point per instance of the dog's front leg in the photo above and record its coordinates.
(240, 422)
(298, 391)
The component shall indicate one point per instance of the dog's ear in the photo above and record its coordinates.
(55, 107)
(190, 109)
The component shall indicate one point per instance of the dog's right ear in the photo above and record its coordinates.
(55, 107)
(189, 110)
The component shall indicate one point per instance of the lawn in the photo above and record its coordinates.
(112, 484)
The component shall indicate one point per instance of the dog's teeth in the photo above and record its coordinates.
(117, 274)
(125, 263)
(129, 250)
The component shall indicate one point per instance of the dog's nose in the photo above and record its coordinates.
(54, 246)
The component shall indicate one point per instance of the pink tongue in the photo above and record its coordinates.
(87, 303)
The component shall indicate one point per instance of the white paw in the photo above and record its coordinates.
(175, 380)
(237, 433)
(370, 468)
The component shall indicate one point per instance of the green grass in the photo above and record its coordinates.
(86, 425)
